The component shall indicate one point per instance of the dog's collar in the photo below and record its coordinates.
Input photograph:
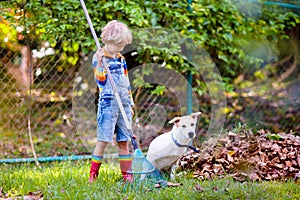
(184, 145)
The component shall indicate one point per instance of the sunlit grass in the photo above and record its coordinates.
(68, 180)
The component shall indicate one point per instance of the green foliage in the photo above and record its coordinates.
(8, 35)
(273, 137)
(241, 128)
(233, 37)
(159, 90)
(139, 77)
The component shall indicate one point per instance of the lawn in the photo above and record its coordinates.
(68, 180)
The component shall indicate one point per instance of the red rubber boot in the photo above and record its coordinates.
(125, 165)
(94, 171)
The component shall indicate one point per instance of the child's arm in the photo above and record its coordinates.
(99, 70)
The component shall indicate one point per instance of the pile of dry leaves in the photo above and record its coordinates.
(259, 156)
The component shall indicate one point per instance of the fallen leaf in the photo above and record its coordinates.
(169, 184)
(216, 188)
(198, 188)
(251, 155)
(297, 176)
(253, 176)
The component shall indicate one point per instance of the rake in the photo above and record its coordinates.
(142, 169)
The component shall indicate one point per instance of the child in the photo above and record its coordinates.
(115, 36)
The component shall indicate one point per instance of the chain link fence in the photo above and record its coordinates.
(36, 97)
(53, 97)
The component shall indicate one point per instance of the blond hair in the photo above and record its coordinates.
(115, 32)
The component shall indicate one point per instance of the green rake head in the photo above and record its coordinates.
(146, 175)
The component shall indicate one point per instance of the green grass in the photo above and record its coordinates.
(68, 180)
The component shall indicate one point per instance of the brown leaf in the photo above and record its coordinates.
(280, 166)
(206, 175)
(275, 176)
(198, 188)
(285, 150)
(217, 168)
(297, 176)
(253, 176)
(291, 154)
(216, 188)
(238, 177)
(295, 163)
(249, 155)
(275, 160)
(222, 160)
(293, 169)
(229, 158)
(170, 184)
(288, 163)
(38, 195)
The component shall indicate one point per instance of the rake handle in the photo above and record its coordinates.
(128, 125)
(90, 24)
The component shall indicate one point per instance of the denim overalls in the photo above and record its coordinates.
(109, 116)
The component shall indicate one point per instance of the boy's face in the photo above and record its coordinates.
(114, 48)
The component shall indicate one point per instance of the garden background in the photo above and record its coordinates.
(45, 44)
(48, 92)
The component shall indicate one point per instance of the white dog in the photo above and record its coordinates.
(167, 148)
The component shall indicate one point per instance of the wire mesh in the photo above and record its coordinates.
(39, 85)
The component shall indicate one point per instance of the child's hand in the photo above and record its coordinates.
(100, 54)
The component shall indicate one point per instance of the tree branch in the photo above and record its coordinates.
(293, 67)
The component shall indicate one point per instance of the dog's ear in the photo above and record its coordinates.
(175, 120)
(195, 115)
